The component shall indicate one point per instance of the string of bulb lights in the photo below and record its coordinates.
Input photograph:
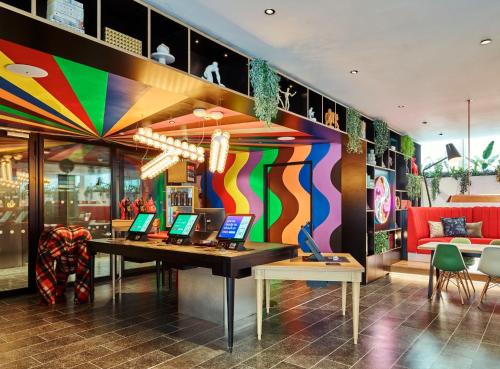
(174, 149)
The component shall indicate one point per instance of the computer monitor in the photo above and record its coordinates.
(183, 225)
(140, 226)
(234, 231)
(211, 219)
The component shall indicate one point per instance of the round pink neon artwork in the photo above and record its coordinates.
(382, 199)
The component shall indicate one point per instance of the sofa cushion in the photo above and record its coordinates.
(435, 229)
(454, 227)
(474, 229)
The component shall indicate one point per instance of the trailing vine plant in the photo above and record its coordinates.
(414, 186)
(498, 172)
(407, 147)
(382, 137)
(265, 84)
(381, 242)
(462, 176)
(436, 176)
(353, 128)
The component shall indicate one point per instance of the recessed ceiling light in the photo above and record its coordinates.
(200, 112)
(401, 106)
(26, 70)
(225, 55)
(486, 41)
(441, 133)
(196, 41)
(216, 115)
(424, 122)
(354, 71)
(286, 138)
(270, 11)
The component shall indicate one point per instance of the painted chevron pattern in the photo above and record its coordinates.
(240, 189)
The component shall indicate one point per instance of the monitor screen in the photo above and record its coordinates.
(142, 222)
(211, 219)
(236, 227)
(183, 225)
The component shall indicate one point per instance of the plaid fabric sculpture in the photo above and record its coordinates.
(67, 246)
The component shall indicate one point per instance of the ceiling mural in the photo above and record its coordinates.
(90, 103)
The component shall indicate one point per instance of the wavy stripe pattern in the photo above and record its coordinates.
(241, 187)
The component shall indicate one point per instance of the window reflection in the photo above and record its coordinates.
(13, 213)
(78, 190)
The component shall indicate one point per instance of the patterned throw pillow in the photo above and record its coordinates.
(436, 229)
(474, 229)
(454, 227)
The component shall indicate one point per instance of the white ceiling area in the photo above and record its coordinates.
(423, 54)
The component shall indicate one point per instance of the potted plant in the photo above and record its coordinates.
(265, 84)
(382, 137)
(413, 186)
(353, 128)
(407, 147)
(381, 242)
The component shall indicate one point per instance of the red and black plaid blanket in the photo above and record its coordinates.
(66, 247)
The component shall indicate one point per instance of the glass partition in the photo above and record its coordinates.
(77, 190)
(13, 213)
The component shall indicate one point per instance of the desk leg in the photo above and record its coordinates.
(230, 312)
(268, 295)
(158, 275)
(260, 285)
(355, 310)
(92, 275)
(113, 275)
(344, 297)
(430, 286)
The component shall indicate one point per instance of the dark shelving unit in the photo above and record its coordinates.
(127, 17)
(358, 198)
(172, 34)
(341, 111)
(20, 4)
(315, 101)
(89, 14)
(233, 67)
(298, 102)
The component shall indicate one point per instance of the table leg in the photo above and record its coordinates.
(170, 274)
(158, 275)
(121, 264)
(355, 310)
(113, 275)
(268, 295)
(431, 278)
(344, 297)
(230, 312)
(260, 285)
(92, 275)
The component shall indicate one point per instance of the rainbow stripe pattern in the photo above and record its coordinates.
(240, 189)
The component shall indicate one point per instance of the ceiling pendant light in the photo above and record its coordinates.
(219, 149)
(172, 149)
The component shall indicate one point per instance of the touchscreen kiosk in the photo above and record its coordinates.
(234, 231)
(140, 227)
(313, 247)
(182, 229)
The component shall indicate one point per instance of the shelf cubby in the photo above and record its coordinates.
(315, 101)
(172, 34)
(89, 14)
(342, 113)
(20, 4)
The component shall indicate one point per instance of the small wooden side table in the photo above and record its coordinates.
(298, 270)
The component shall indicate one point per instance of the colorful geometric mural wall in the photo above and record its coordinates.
(240, 189)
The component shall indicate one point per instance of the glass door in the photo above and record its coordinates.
(77, 190)
(14, 200)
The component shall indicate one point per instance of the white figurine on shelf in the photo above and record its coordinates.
(286, 94)
(311, 113)
(163, 55)
(208, 73)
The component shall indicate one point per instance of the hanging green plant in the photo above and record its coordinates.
(382, 137)
(414, 186)
(462, 176)
(407, 147)
(353, 128)
(498, 173)
(436, 175)
(265, 84)
(381, 242)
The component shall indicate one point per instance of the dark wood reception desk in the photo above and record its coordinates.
(224, 263)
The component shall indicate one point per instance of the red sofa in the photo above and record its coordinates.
(418, 228)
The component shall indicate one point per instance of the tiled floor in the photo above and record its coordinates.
(400, 329)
